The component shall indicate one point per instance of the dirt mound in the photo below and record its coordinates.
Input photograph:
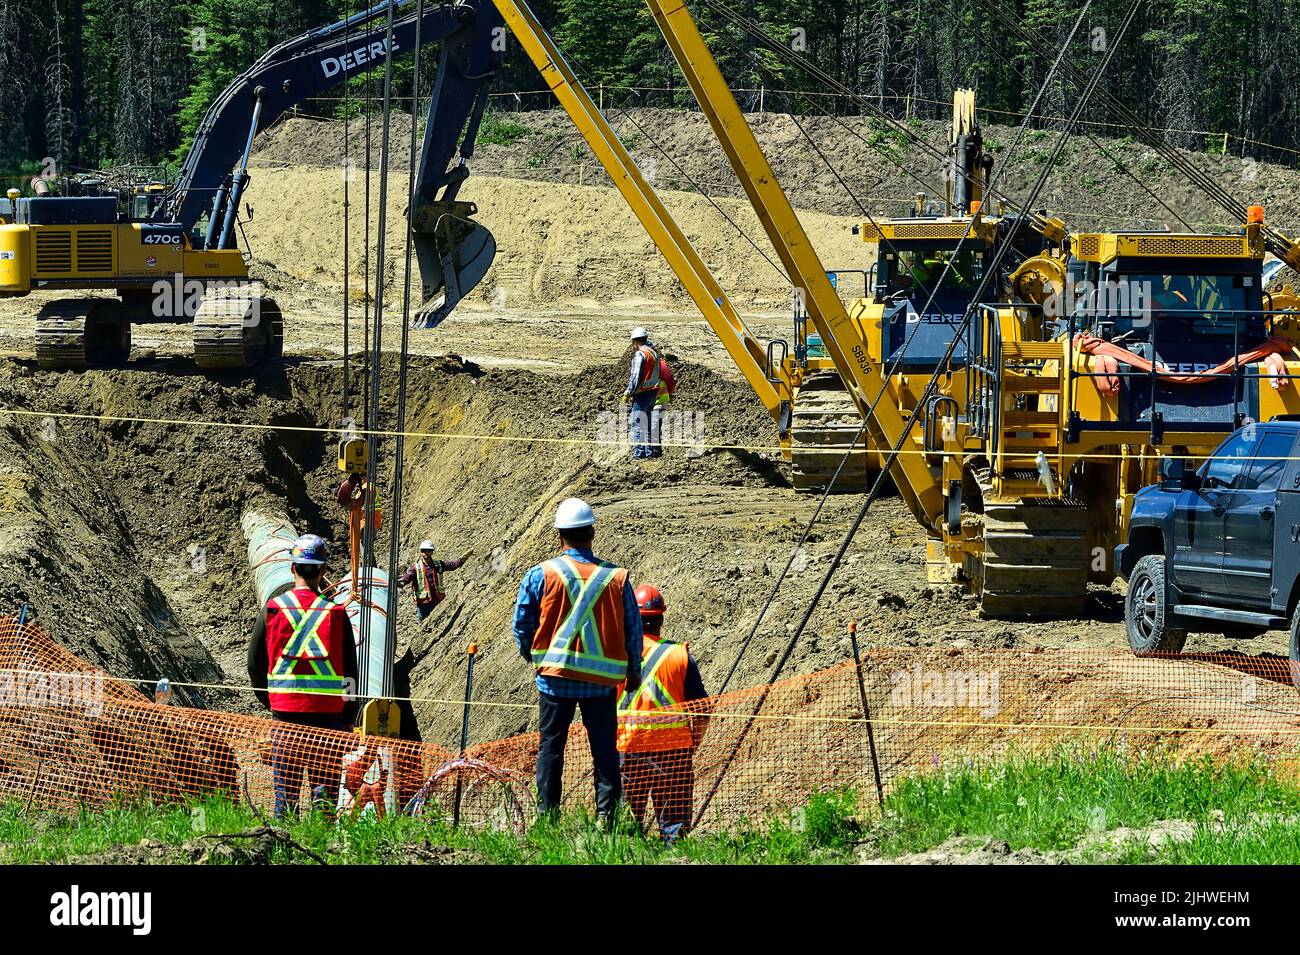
(1090, 187)
(559, 247)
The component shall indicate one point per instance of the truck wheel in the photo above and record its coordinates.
(1146, 613)
(1294, 653)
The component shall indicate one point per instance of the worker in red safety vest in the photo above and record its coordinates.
(660, 724)
(302, 662)
(577, 623)
(426, 574)
(642, 390)
(663, 397)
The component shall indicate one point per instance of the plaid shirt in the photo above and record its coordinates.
(527, 615)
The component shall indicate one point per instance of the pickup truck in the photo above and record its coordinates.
(1217, 549)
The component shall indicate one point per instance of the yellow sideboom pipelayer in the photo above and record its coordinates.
(1032, 447)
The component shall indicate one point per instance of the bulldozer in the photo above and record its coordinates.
(924, 271)
(167, 251)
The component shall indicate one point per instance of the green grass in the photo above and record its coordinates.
(1057, 801)
(1070, 801)
(501, 130)
(822, 831)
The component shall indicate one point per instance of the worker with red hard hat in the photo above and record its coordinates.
(302, 662)
(661, 724)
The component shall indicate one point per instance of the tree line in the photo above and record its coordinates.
(94, 83)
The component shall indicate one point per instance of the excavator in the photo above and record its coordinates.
(168, 252)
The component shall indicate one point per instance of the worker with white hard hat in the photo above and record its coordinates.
(641, 391)
(426, 574)
(578, 624)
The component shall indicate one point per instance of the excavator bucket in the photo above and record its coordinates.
(454, 253)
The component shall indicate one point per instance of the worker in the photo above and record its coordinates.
(659, 730)
(642, 389)
(302, 662)
(663, 397)
(426, 573)
(577, 623)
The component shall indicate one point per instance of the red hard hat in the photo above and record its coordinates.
(650, 600)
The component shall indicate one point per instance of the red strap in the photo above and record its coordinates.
(1108, 356)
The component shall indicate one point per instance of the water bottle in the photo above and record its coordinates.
(162, 693)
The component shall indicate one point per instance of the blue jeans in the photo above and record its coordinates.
(600, 718)
(293, 751)
(642, 409)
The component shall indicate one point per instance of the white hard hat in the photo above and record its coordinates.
(426, 545)
(573, 513)
(639, 332)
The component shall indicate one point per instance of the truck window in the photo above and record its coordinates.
(1269, 462)
(1230, 461)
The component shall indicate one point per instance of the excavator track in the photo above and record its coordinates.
(236, 328)
(78, 333)
(1036, 557)
(825, 422)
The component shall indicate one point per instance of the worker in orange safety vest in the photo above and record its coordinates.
(660, 724)
(576, 622)
(642, 391)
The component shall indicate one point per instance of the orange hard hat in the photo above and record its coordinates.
(650, 600)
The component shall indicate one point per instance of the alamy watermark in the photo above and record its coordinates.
(35, 690)
(177, 297)
(947, 689)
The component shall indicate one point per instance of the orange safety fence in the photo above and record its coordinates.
(71, 735)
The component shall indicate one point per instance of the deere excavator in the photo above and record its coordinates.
(167, 252)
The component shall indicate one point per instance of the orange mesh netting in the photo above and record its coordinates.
(71, 735)
(1107, 356)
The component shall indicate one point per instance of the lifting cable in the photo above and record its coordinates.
(376, 366)
(1147, 135)
(896, 363)
(876, 487)
(764, 39)
(399, 450)
(347, 223)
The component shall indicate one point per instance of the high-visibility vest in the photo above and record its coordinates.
(648, 377)
(580, 627)
(428, 582)
(663, 396)
(304, 645)
(651, 719)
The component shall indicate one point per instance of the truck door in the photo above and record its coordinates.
(1199, 518)
(1250, 521)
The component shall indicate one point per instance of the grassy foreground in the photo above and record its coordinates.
(1065, 806)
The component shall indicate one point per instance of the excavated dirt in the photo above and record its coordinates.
(1087, 187)
(124, 537)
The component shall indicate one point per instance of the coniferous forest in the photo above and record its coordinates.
(93, 83)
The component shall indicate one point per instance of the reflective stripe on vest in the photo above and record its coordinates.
(304, 646)
(643, 712)
(648, 379)
(576, 646)
(428, 583)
